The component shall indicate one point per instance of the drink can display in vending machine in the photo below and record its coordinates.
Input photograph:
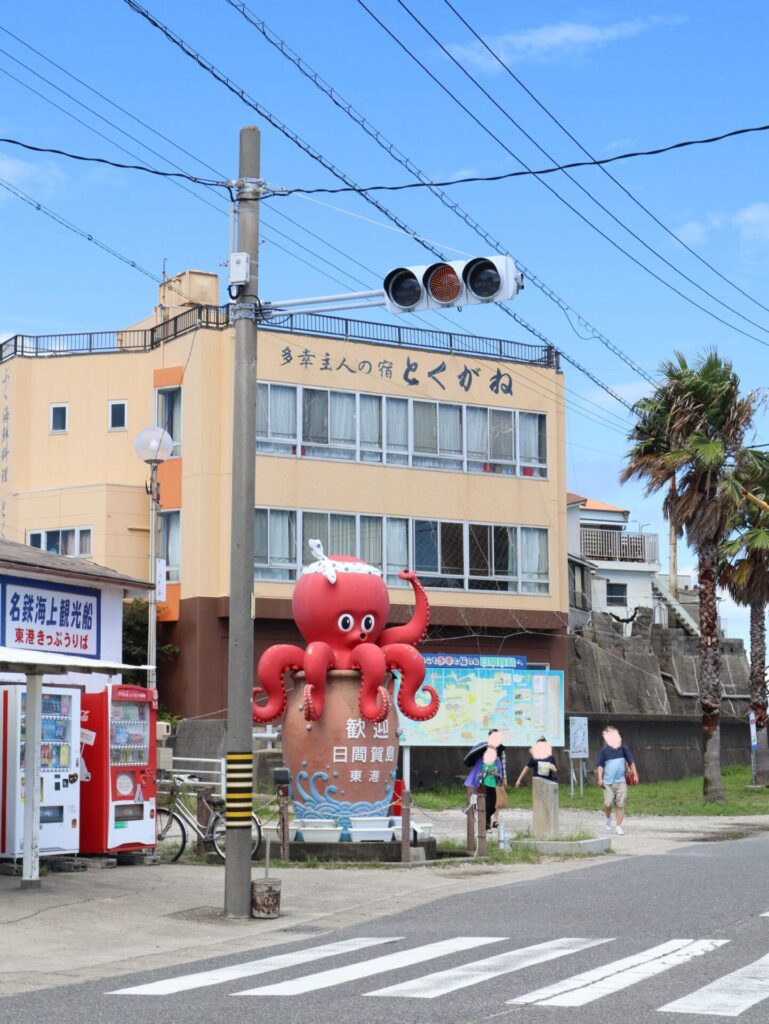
(119, 796)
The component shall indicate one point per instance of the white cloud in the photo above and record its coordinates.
(567, 38)
(42, 180)
(753, 222)
(697, 232)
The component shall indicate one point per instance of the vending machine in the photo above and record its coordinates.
(59, 774)
(119, 768)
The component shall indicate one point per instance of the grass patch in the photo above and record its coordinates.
(683, 797)
(562, 837)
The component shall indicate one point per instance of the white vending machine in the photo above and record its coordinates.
(59, 770)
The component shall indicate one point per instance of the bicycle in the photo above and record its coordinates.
(173, 821)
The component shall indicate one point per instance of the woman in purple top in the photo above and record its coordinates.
(488, 772)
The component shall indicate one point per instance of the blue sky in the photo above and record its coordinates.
(618, 76)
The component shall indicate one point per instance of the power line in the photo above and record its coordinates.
(560, 198)
(269, 228)
(539, 172)
(310, 151)
(111, 163)
(601, 163)
(391, 149)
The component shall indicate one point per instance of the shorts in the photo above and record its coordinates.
(614, 794)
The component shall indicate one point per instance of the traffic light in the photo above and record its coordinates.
(459, 283)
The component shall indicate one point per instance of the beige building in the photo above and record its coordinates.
(409, 448)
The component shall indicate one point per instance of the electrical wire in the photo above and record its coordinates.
(484, 127)
(319, 158)
(601, 163)
(390, 148)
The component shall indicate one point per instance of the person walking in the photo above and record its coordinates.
(487, 771)
(613, 761)
(541, 763)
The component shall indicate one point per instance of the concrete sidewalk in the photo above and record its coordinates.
(105, 923)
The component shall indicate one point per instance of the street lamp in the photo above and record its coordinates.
(153, 446)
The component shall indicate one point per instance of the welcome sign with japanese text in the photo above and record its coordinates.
(50, 617)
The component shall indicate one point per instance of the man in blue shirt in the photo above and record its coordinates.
(612, 761)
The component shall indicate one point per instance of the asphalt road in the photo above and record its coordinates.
(677, 937)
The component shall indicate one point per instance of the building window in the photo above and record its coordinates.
(275, 544)
(73, 542)
(169, 416)
(59, 418)
(447, 555)
(276, 428)
(170, 548)
(358, 427)
(118, 415)
(579, 587)
(616, 594)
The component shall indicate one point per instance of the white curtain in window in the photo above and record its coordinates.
(84, 542)
(450, 430)
(314, 527)
(282, 537)
(477, 434)
(532, 437)
(397, 425)
(172, 547)
(502, 435)
(282, 411)
(343, 536)
(397, 545)
(370, 421)
(425, 427)
(342, 418)
(534, 553)
(371, 540)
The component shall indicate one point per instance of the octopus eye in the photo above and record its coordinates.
(345, 622)
(367, 623)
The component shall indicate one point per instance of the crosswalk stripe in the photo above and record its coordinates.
(438, 984)
(249, 969)
(390, 962)
(730, 995)
(603, 981)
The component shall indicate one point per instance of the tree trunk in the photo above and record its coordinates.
(758, 700)
(710, 675)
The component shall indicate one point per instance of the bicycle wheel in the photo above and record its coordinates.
(170, 835)
(219, 835)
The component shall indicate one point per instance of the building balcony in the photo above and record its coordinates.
(600, 545)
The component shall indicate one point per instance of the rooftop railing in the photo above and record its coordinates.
(218, 317)
(618, 546)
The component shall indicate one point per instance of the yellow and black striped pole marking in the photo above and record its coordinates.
(239, 793)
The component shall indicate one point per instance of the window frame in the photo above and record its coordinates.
(53, 407)
(442, 460)
(176, 451)
(164, 517)
(112, 405)
(501, 582)
(613, 603)
(77, 531)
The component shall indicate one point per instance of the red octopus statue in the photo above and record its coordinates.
(341, 605)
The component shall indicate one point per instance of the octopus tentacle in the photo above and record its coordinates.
(408, 661)
(373, 700)
(416, 628)
(272, 667)
(318, 659)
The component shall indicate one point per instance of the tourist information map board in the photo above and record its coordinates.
(479, 692)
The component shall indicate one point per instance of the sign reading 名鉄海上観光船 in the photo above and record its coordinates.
(50, 617)
(479, 692)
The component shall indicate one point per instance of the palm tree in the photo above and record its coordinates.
(745, 575)
(691, 431)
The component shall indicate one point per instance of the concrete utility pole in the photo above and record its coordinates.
(240, 678)
(673, 553)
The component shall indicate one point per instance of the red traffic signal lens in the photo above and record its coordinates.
(443, 283)
(403, 288)
(482, 278)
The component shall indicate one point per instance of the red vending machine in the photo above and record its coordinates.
(118, 769)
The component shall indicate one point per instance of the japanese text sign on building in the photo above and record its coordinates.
(50, 617)
(364, 762)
